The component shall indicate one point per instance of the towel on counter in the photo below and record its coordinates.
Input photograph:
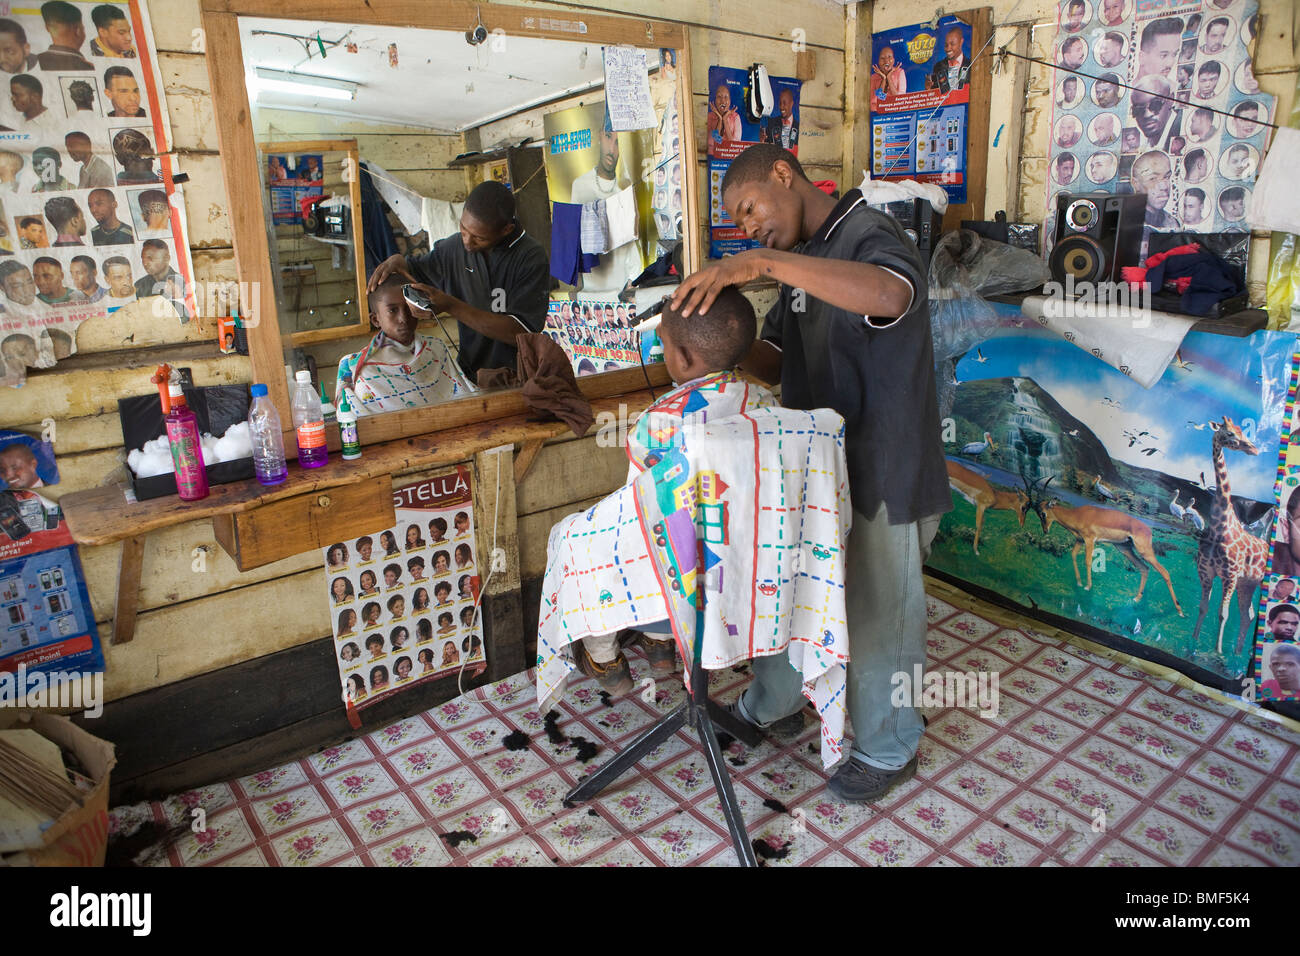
(760, 501)
(548, 383)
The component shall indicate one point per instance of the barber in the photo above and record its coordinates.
(492, 279)
(849, 331)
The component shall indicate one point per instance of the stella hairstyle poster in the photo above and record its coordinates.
(46, 621)
(402, 598)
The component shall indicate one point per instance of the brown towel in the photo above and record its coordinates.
(549, 385)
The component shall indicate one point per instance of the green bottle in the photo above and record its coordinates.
(347, 418)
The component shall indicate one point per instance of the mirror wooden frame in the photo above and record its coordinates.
(348, 146)
(241, 169)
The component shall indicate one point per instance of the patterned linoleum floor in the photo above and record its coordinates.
(1088, 763)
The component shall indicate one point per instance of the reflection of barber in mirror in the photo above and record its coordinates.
(492, 278)
(133, 152)
(123, 92)
(399, 367)
(113, 33)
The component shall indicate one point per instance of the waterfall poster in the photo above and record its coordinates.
(1082, 498)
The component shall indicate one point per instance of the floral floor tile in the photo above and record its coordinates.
(680, 839)
(251, 857)
(1079, 708)
(180, 808)
(836, 859)
(397, 735)
(458, 712)
(1188, 799)
(482, 737)
(1038, 819)
(940, 645)
(358, 783)
(1057, 663)
(977, 785)
(583, 697)
(885, 843)
(505, 694)
(1086, 795)
(1282, 800)
(635, 802)
(1259, 750)
(689, 776)
(226, 832)
(785, 779)
(935, 816)
(485, 823)
(1048, 731)
(960, 731)
(990, 845)
(1225, 854)
(753, 807)
(1029, 686)
(313, 845)
(346, 861)
(530, 718)
(620, 854)
(1012, 644)
(775, 844)
(289, 809)
(507, 768)
(450, 791)
(624, 718)
(1119, 855)
(380, 819)
(1267, 837)
(936, 609)
(1119, 765)
(933, 758)
(1009, 710)
(578, 834)
(970, 627)
(979, 659)
(521, 852)
(1107, 686)
(272, 781)
(1148, 739)
(1292, 771)
(327, 761)
(1162, 835)
(670, 749)
(425, 759)
(1014, 758)
(1191, 721)
(417, 848)
(1224, 774)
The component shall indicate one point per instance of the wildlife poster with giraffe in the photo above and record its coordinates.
(1144, 514)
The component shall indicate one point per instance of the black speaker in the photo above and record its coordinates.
(1096, 234)
(919, 220)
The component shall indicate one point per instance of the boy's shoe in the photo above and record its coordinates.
(662, 655)
(858, 782)
(614, 677)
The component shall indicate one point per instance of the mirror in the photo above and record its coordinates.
(423, 116)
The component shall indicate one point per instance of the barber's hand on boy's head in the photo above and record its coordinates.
(393, 264)
(699, 289)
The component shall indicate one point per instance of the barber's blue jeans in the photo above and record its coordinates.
(885, 604)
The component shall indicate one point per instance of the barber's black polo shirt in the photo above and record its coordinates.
(877, 373)
(517, 265)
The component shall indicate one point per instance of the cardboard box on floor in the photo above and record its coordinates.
(80, 836)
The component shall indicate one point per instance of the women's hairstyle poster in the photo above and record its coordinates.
(291, 179)
(46, 621)
(594, 333)
(920, 104)
(402, 599)
(91, 218)
(729, 131)
(1165, 103)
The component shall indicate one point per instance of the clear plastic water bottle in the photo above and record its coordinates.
(268, 444)
(308, 422)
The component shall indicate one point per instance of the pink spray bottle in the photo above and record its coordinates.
(183, 434)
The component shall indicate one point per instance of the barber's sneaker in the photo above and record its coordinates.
(786, 728)
(662, 655)
(614, 677)
(858, 782)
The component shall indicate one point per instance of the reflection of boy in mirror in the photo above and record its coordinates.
(113, 33)
(399, 367)
(454, 275)
(123, 92)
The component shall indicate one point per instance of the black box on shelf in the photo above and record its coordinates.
(216, 407)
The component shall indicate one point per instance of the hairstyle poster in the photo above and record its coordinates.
(291, 179)
(46, 621)
(920, 104)
(402, 598)
(91, 217)
(729, 131)
(1277, 653)
(1163, 101)
(594, 333)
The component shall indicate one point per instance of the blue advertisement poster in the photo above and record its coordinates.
(290, 180)
(1083, 498)
(920, 104)
(729, 131)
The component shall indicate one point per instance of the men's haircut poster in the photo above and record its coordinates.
(594, 333)
(290, 180)
(91, 218)
(729, 131)
(46, 621)
(402, 598)
(1277, 671)
(920, 104)
(1188, 63)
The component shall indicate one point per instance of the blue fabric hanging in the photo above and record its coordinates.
(376, 233)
